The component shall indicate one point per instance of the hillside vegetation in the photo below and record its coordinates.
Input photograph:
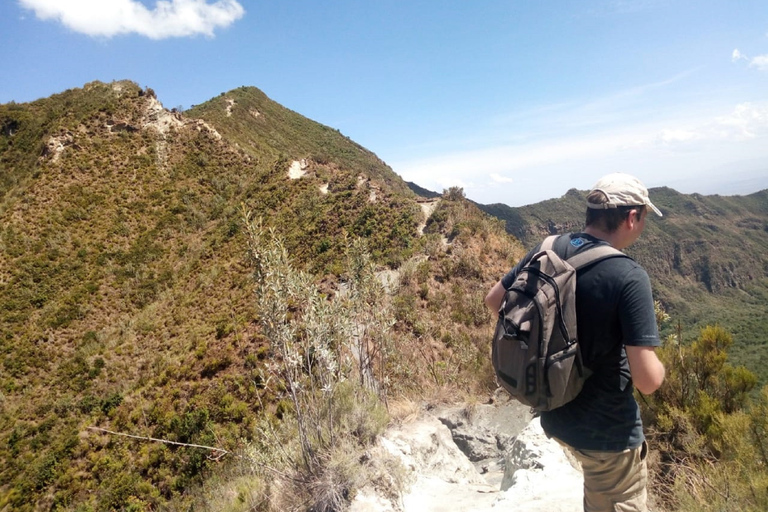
(220, 310)
(128, 292)
(707, 258)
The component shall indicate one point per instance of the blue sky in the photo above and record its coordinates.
(516, 101)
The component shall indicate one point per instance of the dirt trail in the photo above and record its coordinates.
(427, 207)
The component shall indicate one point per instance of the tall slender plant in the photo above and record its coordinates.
(326, 355)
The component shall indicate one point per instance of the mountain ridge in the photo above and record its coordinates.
(126, 296)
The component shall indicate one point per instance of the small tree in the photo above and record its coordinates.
(372, 319)
(325, 356)
(711, 441)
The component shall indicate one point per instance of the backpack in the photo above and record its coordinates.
(536, 354)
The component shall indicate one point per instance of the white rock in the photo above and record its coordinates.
(297, 169)
(539, 476)
(159, 118)
(367, 500)
(444, 478)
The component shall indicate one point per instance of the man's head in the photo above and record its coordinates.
(613, 199)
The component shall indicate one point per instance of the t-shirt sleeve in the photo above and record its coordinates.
(636, 312)
(509, 279)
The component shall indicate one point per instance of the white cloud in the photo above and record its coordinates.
(671, 136)
(760, 62)
(447, 182)
(656, 151)
(505, 159)
(748, 120)
(498, 178)
(169, 18)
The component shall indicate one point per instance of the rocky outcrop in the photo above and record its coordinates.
(539, 475)
(57, 144)
(482, 458)
(160, 118)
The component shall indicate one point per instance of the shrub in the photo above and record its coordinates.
(711, 439)
(329, 359)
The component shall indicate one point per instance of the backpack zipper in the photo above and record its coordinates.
(549, 279)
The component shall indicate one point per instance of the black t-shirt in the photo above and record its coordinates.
(614, 308)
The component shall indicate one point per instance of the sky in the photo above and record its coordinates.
(516, 101)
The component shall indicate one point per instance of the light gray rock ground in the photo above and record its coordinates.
(483, 458)
(539, 475)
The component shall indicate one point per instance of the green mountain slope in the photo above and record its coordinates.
(707, 258)
(126, 298)
(267, 130)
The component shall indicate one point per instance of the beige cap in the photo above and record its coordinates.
(622, 190)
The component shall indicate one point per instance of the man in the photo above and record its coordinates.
(617, 334)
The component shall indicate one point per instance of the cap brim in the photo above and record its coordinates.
(652, 207)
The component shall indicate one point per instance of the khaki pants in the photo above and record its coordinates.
(614, 481)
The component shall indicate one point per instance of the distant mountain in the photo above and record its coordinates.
(707, 258)
(421, 191)
(126, 298)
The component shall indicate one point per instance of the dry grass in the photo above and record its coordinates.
(403, 410)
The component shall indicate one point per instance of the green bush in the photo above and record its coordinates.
(710, 435)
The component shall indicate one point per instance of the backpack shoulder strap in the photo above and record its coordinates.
(593, 255)
(549, 243)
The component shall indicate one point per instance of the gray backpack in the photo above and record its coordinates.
(536, 355)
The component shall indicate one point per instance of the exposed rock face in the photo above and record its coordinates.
(539, 475)
(484, 433)
(57, 144)
(516, 467)
(297, 169)
(159, 118)
(426, 447)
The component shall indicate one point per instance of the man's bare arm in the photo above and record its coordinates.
(494, 297)
(646, 368)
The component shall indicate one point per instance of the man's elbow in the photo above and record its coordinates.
(646, 368)
(490, 303)
(494, 298)
(652, 381)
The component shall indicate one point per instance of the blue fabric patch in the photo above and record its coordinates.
(578, 242)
